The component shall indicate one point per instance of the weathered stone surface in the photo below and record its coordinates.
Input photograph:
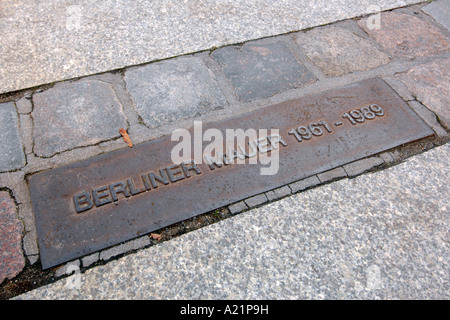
(333, 174)
(90, 259)
(12, 260)
(360, 166)
(11, 151)
(172, 90)
(278, 193)
(24, 105)
(256, 200)
(271, 195)
(429, 117)
(338, 51)
(75, 114)
(430, 83)
(440, 11)
(258, 70)
(130, 245)
(405, 36)
(282, 192)
(238, 207)
(68, 268)
(304, 184)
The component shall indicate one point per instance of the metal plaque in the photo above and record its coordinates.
(99, 202)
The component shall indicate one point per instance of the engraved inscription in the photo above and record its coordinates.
(100, 196)
(365, 113)
(111, 193)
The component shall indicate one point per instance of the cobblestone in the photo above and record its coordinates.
(430, 83)
(90, 259)
(256, 200)
(355, 168)
(406, 36)
(12, 260)
(167, 92)
(238, 207)
(125, 247)
(304, 184)
(260, 70)
(333, 174)
(75, 114)
(440, 11)
(11, 156)
(24, 105)
(338, 51)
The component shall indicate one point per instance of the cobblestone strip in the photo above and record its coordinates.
(73, 120)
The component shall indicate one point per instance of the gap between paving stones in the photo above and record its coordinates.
(387, 71)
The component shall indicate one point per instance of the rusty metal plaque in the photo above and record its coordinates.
(99, 202)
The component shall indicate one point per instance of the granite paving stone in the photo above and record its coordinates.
(338, 51)
(282, 192)
(304, 184)
(24, 105)
(430, 84)
(90, 259)
(125, 247)
(258, 70)
(12, 260)
(360, 166)
(333, 174)
(238, 207)
(75, 114)
(256, 200)
(172, 90)
(382, 235)
(271, 195)
(429, 117)
(406, 36)
(12, 155)
(440, 11)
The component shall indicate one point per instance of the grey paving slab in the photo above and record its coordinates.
(48, 41)
(440, 11)
(380, 235)
(11, 156)
(172, 90)
(259, 70)
(75, 114)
